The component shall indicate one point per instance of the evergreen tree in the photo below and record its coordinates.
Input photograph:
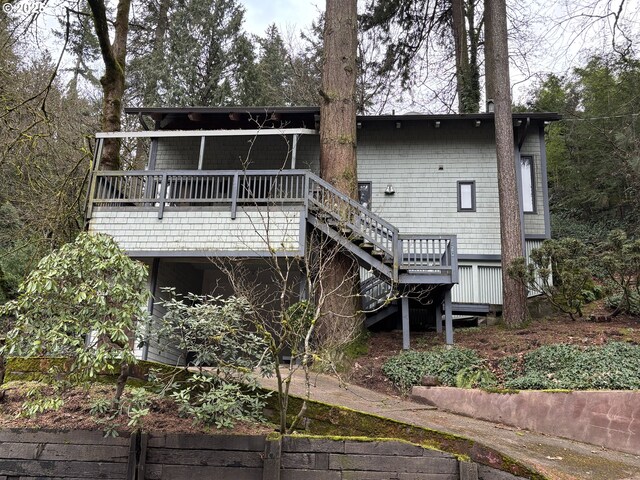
(594, 153)
(338, 163)
(273, 70)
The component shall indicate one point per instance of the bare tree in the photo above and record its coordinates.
(513, 293)
(286, 320)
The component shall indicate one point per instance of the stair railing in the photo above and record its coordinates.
(344, 213)
(374, 292)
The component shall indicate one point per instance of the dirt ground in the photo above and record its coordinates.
(75, 414)
(493, 342)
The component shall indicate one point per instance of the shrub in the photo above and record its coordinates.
(560, 270)
(407, 368)
(83, 302)
(611, 366)
(619, 261)
(619, 302)
(219, 334)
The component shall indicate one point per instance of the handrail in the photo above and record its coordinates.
(350, 215)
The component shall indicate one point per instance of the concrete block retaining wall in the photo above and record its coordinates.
(605, 418)
(25, 454)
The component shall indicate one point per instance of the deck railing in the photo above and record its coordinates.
(197, 188)
(411, 254)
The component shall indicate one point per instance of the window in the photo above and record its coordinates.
(466, 196)
(528, 182)
(364, 194)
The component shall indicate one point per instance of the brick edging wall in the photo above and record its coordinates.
(72, 455)
(605, 418)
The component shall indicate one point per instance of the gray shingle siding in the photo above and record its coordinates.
(203, 230)
(424, 165)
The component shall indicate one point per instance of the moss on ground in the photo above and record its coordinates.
(332, 421)
(29, 369)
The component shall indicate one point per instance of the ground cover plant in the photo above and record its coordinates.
(494, 344)
(453, 367)
(614, 365)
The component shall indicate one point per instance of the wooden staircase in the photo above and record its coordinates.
(399, 264)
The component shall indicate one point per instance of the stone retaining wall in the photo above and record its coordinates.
(609, 419)
(25, 454)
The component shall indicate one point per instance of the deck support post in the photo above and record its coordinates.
(405, 323)
(448, 317)
(234, 195)
(439, 319)
(201, 155)
(294, 150)
(153, 287)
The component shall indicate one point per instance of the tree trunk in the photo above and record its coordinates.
(489, 61)
(466, 46)
(462, 54)
(513, 292)
(114, 57)
(150, 97)
(338, 163)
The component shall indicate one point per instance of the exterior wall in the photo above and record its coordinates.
(203, 231)
(481, 282)
(236, 153)
(185, 279)
(424, 164)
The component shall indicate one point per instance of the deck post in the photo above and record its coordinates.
(201, 155)
(439, 319)
(294, 150)
(405, 323)
(93, 178)
(163, 196)
(234, 195)
(153, 287)
(448, 317)
(150, 188)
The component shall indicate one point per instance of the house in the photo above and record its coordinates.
(243, 183)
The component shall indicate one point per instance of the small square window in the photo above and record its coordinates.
(466, 196)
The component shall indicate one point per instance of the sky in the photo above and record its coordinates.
(288, 15)
(558, 45)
